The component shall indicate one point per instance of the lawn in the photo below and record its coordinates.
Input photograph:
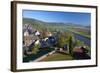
(57, 57)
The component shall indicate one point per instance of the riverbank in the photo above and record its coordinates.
(79, 33)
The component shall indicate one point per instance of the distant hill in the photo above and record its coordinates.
(32, 21)
(51, 25)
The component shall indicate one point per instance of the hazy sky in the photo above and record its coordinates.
(65, 17)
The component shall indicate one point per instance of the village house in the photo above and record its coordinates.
(29, 34)
(37, 33)
(48, 34)
(80, 53)
(27, 38)
(80, 49)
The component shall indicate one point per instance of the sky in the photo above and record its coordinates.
(62, 17)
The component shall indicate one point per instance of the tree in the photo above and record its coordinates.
(36, 48)
(66, 39)
(79, 43)
(62, 39)
(71, 43)
(44, 33)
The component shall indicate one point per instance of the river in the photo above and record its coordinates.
(84, 39)
(87, 41)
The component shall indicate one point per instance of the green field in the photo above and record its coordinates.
(57, 57)
(80, 33)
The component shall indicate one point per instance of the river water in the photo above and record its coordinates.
(84, 39)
